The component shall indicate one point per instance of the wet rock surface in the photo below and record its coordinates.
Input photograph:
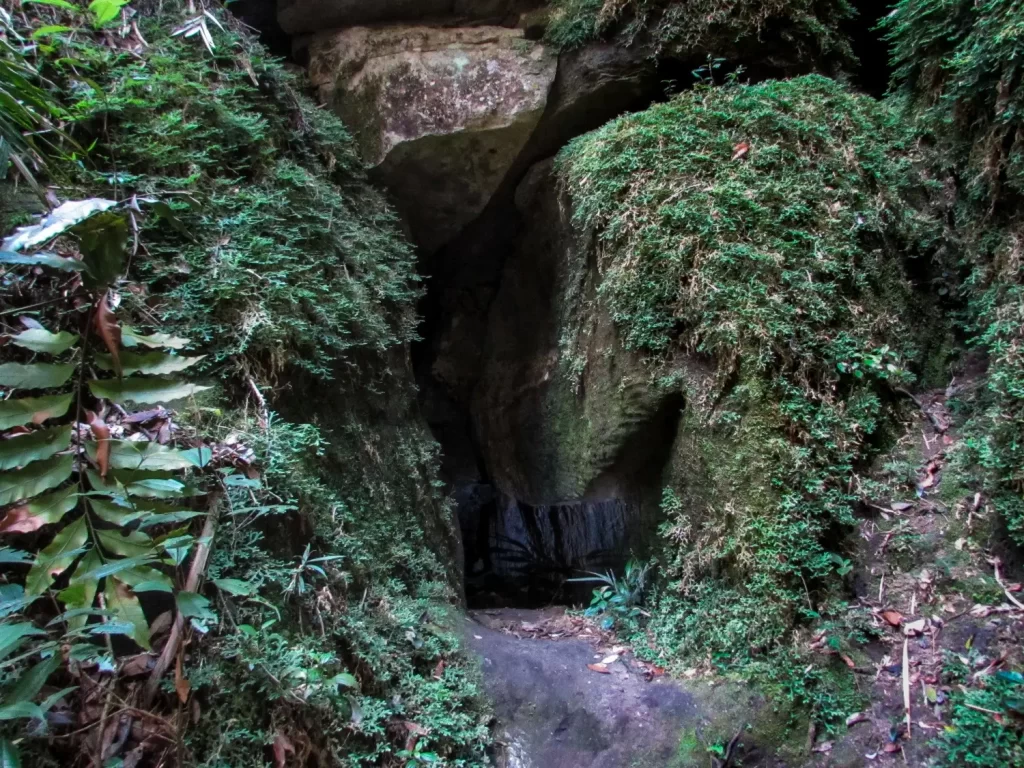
(555, 712)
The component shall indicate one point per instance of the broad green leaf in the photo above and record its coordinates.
(81, 594)
(56, 558)
(10, 757)
(345, 679)
(106, 11)
(147, 513)
(150, 363)
(42, 510)
(41, 260)
(134, 544)
(13, 635)
(35, 410)
(32, 681)
(199, 457)
(12, 599)
(35, 375)
(42, 444)
(57, 3)
(145, 455)
(145, 391)
(130, 337)
(37, 477)
(52, 29)
(142, 483)
(235, 587)
(111, 567)
(102, 240)
(177, 547)
(192, 604)
(145, 579)
(8, 555)
(54, 697)
(110, 511)
(125, 605)
(23, 709)
(58, 221)
(150, 518)
(41, 340)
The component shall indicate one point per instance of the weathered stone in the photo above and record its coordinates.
(306, 16)
(440, 114)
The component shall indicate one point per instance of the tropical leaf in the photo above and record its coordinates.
(34, 410)
(130, 337)
(20, 710)
(132, 544)
(145, 455)
(81, 593)
(41, 260)
(34, 375)
(56, 558)
(58, 221)
(102, 239)
(37, 477)
(41, 340)
(146, 513)
(10, 757)
(125, 605)
(32, 681)
(235, 587)
(43, 510)
(13, 635)
(145, 391)
(142, 483)
(42, 444)
(192, 604)
(144, 579)
(152, 363)
(106, 11)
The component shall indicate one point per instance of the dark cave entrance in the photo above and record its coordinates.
(873, 72)
(526, 556)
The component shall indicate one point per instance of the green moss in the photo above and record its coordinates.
(959, 63)
(810, 26)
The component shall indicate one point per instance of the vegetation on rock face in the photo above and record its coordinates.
(687, 26)
(960, 64)
(253, 232)
(767, 229)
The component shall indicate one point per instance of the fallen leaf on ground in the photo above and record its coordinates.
(741, 150)
(439, 670)
(21, 520)
(109, 331)
(859, 717)
(101, 432)
(825, 746)
(895, 618)
(915, 627)
(181, 685)
(282, 748)
(598, 668)
(610, 659)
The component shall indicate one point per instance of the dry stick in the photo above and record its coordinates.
(264, 415)
(906, 682)
(939, 427)
(195, 573)
(996, 562)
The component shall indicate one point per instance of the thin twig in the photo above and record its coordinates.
(939, 427)
(195, 573)
(906, 682)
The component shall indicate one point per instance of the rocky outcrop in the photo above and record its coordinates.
(440, 114)
(308, 16)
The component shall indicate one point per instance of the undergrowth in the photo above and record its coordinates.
(959, 63)
(337, 640)
(703, 25)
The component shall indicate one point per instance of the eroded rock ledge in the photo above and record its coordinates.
(440, 113)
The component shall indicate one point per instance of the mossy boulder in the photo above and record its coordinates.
(729, 305)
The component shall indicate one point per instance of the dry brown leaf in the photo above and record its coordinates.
(20, 520)
(859, 717)
(439, 670)
(181, 685)
(101, 432)
(894, 618)
(109, 331)
(598, 668)
(847, 660)
(824, 747)
(282, 748)
(741, 150)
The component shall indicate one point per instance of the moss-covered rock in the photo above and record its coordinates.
(760, 234)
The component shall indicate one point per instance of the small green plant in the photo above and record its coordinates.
(621, 597)
(307, 565)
